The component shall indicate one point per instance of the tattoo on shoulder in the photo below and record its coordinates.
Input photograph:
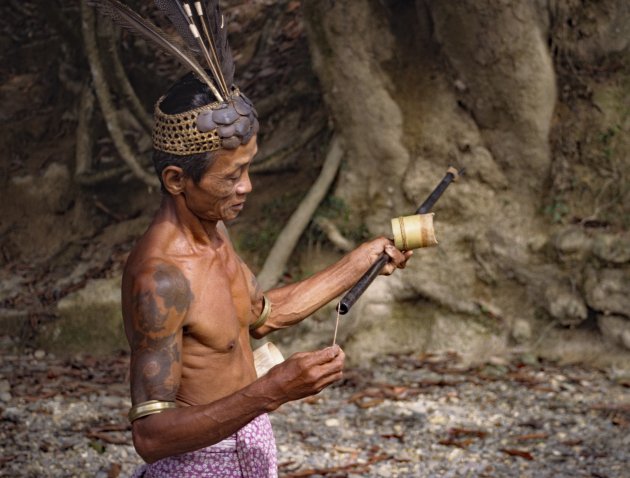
(173, 288)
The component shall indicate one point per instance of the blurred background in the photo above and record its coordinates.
(532, 98)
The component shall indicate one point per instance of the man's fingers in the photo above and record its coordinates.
(395, 255)
(329, 380)
(398, 259)
(329, 372)
(329, 353)
(334, 363)
(323, 356)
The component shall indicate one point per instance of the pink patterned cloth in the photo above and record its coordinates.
(249, 453)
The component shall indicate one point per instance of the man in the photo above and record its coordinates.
(190, 304)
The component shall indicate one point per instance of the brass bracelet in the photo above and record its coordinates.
(264, 315)
(149, 408)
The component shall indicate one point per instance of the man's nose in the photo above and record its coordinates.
(244, 186)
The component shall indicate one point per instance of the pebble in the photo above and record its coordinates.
(332, 422)
(571, 420)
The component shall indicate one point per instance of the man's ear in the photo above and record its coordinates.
(173, 178)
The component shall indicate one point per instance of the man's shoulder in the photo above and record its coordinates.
(151, 268)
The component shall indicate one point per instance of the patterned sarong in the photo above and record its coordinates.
(249, 453)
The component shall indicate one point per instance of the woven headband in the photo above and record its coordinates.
(218, 125)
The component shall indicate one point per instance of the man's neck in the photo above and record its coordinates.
(197, 231)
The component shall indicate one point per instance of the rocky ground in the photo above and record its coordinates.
(404, 416)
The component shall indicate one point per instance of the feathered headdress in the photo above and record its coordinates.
(226, 123)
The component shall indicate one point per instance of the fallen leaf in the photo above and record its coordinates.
(114, 470)
(398, 436)
(458, 443)
(531, 436)
(520, 453)
(457, 432)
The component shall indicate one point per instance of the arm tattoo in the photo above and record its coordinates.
(154, 350)
(173, 287)
(152, 368)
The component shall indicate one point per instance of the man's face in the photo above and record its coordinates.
(221, 192)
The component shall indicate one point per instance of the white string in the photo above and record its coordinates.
(336, 324)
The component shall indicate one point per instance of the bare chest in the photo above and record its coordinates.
(222, 304)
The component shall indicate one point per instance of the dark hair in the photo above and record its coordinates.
(186, 94)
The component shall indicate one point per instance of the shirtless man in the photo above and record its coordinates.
(190, 304)
(189, 301)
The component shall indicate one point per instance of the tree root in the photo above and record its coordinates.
(92, 178)
(84, 139)
(288, 238)
(83, 173)
(122, 79)
(275, 161)
(334, 235)
(105, 100)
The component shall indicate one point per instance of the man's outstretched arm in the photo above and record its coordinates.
(294, 302)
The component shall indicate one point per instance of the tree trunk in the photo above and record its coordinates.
(414, 88)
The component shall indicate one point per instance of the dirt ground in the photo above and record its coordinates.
(405, 416)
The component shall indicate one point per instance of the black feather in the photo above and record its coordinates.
(219, 32)
(175, 12)
(127, 18)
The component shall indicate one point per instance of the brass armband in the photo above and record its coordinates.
(149, 408)
(264, 315)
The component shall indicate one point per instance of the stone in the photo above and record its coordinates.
(573, 241)
(608, 290)
(90, 322)
(487, 168)
(12, 414)
(529, 359)
(564, 305)
(521, 331)
(613, 248)
(615, 328)
(438, 420)
(112, 402)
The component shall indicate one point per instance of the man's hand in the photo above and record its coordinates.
(397, 259)
(307, 373)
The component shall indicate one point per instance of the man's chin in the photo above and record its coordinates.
(230, 215)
